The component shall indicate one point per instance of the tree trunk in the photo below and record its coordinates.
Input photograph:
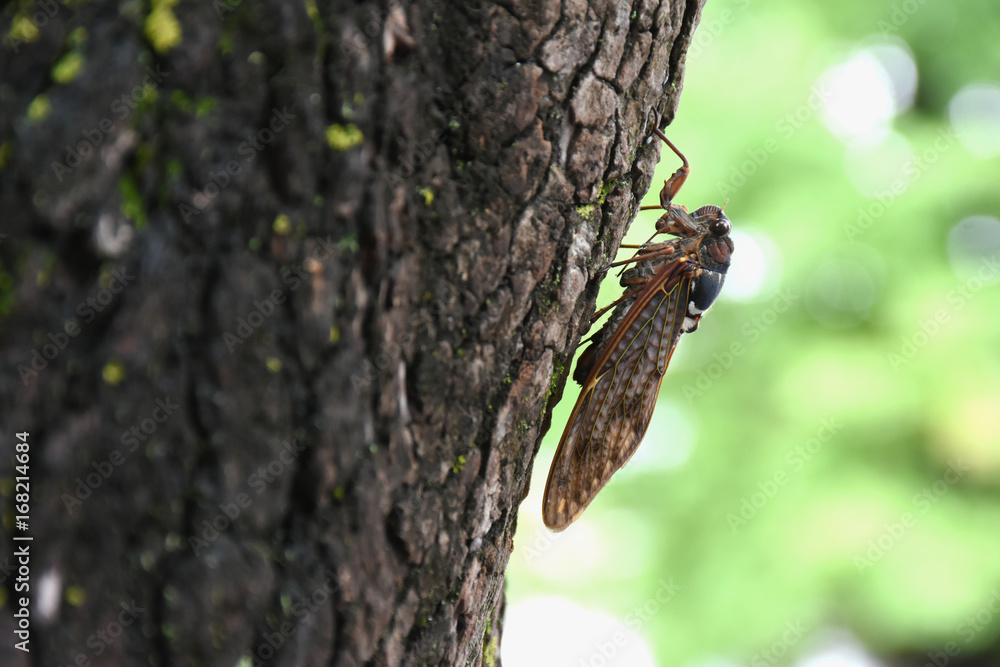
(288, 293)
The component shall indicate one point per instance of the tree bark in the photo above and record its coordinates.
(288, 293)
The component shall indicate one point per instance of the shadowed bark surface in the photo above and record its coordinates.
(288, 293)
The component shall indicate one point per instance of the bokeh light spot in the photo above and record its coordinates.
(553, 632)
(974, 112)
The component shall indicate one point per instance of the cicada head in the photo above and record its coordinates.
(715, 248)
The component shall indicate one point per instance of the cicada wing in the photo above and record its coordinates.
(613, 411)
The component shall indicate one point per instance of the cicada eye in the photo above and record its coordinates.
(720, 226)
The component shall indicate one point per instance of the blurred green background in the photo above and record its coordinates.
(821, 481)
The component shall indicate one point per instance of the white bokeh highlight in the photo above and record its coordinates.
(880, 169)
(863, 94)
(755, 271)
(554, 632)
(972, 244)
(974, 112)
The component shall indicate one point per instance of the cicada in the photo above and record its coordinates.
(669, 288)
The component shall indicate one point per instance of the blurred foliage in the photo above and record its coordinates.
(840, 467)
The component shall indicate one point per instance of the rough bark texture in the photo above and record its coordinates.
(285, 338)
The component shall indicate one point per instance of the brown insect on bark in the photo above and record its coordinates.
(671, 286)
